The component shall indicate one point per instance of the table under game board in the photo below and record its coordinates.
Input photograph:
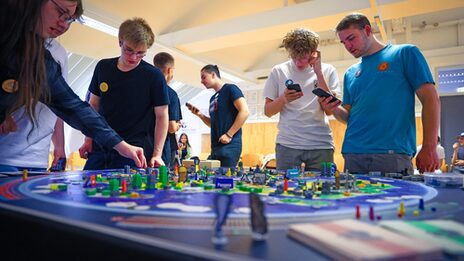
(176, 222)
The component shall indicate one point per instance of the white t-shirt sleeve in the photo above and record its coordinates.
(271, 88)
(333, 81)
(440, 152)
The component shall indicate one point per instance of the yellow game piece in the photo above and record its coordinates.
(402, 209)
(134, 195)
(229, 173)
(53, 186)
(416, 213)
(346, 194)
(25, 174)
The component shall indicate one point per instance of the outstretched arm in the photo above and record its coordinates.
(427, 159)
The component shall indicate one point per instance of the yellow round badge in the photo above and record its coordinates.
(383, 66)
(103, 87)
(10, 85)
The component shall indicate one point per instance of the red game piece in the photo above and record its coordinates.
(93, 181)
(285, 184)
(358, 212)
(124, 186)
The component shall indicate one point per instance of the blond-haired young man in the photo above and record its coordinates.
(304, 133)
(132, 96)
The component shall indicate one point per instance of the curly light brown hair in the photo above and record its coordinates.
(300, 42)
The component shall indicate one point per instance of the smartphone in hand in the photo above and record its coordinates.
(321, 93)
(294, 86)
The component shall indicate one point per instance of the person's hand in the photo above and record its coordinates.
(132, 152)
(8, 125)
(181, 146)
(193, 109)
(57, 155)
(86, 148)
(315, 61)
(455, 146)
(427, 159)
(328, 106)
(224, 139)
(291, 95)
(156, 161)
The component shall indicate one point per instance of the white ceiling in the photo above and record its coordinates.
(243, 36)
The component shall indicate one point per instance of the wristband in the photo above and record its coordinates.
(227, 134)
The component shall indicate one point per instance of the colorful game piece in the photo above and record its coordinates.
(124, 186)
(222, 204)
(163, 175)
(258, 218)
(127, 169)
(136, 181)
(415, 213)
(401, 210)
(371, 213)
(302, 168)
(229, 173)
(93, 181)
(285, 184)
(134, 195)
(25, 174)
(421, 204)
(358, 212)
(337, 179)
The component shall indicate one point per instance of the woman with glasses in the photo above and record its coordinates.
(132, 96)
(28, 73)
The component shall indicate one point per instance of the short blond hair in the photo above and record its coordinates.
(137, 32)
(300, 42)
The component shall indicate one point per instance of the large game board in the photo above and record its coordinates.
(195, 199)
(180, 218)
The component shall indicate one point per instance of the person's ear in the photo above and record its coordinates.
(368, 30)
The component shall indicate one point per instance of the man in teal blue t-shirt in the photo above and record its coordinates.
(378, 103)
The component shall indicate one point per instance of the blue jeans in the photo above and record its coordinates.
(385, 163)
(107, 159)
(228, 155)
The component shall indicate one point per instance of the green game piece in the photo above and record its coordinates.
(136, 181)
(163, 175)
(106, 192)
(62, 187)
(91, 192)
(256, 190)
(114, 185)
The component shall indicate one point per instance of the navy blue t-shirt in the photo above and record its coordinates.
(222, 113)
(127, 99)
(175, 114)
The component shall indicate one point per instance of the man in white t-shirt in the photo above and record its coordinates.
(27, 146)
(304, 135)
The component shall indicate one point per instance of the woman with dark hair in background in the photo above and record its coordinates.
(185, 150)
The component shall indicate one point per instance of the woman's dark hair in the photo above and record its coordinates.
(180, 139)
(22, 50)
(212, 69)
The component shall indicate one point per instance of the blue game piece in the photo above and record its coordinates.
(421, 204)
(434, 209)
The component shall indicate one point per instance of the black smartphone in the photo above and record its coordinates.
(294, 86)
(321, 93)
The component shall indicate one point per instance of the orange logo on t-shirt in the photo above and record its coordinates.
(383, 66)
